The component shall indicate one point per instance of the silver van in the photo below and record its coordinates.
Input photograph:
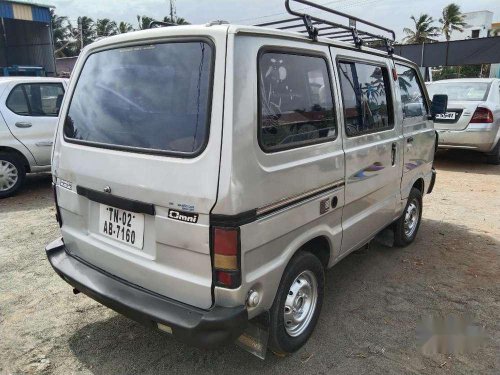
(208, 176)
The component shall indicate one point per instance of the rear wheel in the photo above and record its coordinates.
(494, 156)
(406, 228)
(12, 173)
(297, 305)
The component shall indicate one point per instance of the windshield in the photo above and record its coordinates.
(153, 97)
(463, 91)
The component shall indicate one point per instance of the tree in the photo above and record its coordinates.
(144, 22)
(105, 27)
(452, 20)
(125, 27)
(86, 32)
(423, 30)
(62, 34)
(176, 20)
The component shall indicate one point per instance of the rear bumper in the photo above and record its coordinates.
(197, 327)
(480, 137)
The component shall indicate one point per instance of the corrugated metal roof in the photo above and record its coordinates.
(27, 2)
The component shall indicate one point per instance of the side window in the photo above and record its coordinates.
(17, 101)
(367, 98)
(296, 104)
(412, 97)
(37, 99)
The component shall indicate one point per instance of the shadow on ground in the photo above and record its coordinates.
(373, 303)
(464, 161)
(36, 193)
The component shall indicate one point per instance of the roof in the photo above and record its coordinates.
(4, 80)
(28, 2)
(485, 80)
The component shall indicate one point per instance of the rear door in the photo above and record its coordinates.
(418, 129)
(137, 161)
(31, 111)
(372, 146)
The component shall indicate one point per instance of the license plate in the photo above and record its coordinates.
(446, 116)
(121, 225)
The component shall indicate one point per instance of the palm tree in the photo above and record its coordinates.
(453, 20)
(125, 27)
(176, 20)
(423, 30)
(87, 31)
(144, 22)
(105, 27)
(62, 35)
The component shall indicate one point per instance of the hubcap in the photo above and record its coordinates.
(8, 175)
(411, 219)
(300, 303)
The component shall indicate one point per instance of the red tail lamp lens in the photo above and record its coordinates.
(226, 249)
(482, 116)
(226, 244)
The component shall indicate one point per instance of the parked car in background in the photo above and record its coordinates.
(29, 108)
(472, 120)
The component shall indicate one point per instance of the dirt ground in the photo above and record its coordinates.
(374, 302)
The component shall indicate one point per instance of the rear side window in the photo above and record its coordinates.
(36, 99)
(412, 97)
(296, 105)
(367, 99)
(153, 98)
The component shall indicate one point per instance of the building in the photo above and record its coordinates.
(26, 37)
(478, 26)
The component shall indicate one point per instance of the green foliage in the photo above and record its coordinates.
(424, 30)
(465, 71)
(105, 27)
(452, 20)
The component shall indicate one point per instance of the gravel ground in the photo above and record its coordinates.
(374, 302)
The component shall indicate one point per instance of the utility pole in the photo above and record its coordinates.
(80, 32)
(172, 11)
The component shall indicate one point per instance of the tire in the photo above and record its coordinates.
(405, 232)
(12, 174)
(303, 269)
(494, 156)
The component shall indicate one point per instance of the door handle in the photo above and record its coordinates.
(24, 124)
(410, 140)
(393, 155)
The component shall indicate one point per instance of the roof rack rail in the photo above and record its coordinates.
(315, 26)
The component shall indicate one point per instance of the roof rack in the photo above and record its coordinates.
(315, 26)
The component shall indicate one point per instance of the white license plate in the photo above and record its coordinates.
(122, 225)
(446, 116)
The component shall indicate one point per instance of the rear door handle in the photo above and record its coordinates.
(24, 124)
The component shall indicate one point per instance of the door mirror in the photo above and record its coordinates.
(439, 105)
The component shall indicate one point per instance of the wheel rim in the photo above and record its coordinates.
(8, 175)
(300, 303)
(412, 215)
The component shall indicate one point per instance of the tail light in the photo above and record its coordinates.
(482, 116)
(226, 250)
(58, 212)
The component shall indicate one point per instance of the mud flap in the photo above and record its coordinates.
(254, 340)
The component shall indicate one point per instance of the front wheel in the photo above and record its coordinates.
(406, 228)
(297, 305)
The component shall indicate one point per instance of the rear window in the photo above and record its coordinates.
(464, 91)
(154, 98)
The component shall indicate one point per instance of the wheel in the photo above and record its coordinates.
(12, 173)
(406, 228)
(494, 156)
(297, 304)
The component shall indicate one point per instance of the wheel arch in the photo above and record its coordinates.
(19, 154)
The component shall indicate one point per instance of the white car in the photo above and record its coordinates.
(29, 108)
(472, 120)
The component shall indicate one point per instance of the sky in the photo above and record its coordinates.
(393, 14)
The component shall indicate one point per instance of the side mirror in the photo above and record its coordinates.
(439, 105)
